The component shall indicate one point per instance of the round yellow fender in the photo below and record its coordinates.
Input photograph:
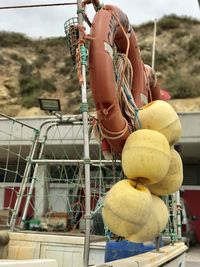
(155, 224)
(174, 178)
(127, 207)
(146, 156)
(160, 116)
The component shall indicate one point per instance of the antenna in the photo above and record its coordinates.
(37, 5)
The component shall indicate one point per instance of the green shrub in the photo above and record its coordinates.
(188, 20)
(178, 34)
(168, 22)
(55, 41)
(147, 58)
(34, 82)
(42, 53)
(40, 47)
(26, 69)
(73, 85)
(31, 100)
(182, 85)
(173, 21)
(163, 60)
(18, 58)
(2, 60)
(32, 85)
(11, 39)
(193, 46)
(29, 84)
(47, 85)
(195, 68)
(65, 70)
(144, 26)
(62, 70)
(75, 100)
(41, 60)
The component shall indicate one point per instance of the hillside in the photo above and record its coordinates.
(43, 68)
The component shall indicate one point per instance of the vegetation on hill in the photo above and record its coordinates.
(30, 68)
(177, 55)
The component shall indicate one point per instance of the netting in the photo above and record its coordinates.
(72, 35)
(16, 146)
(62, 182)
(51, 194)
(173, 228)
(42, 178)
(42, 169)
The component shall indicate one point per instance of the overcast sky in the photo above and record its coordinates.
(43, 22)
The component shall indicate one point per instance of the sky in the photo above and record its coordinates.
(49, 21)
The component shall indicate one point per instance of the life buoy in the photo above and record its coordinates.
(111, 26)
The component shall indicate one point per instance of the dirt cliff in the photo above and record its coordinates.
(30, 68)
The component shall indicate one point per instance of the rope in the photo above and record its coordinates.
(127, 39)
(128, 103)
(105, 111)
(147, 85)
(115, 135)
(96, 4)
(124, 79)
(99, 206)
(110, 135)
(84, 107)
(81, 51)
(81, 55)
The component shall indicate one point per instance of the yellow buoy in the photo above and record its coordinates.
(126, 207)
(155, 224)
(146, 156)
(160, 116)
(174, 178)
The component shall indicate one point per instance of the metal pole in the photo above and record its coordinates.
(86, 154)
(178, 214)
(30, 193)
(24, 182)
(87, 178)
(38, 5)
(154, 44)
(93, 162)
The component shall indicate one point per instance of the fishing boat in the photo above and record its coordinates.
(59, 169)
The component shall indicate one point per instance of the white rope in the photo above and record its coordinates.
(124, 83)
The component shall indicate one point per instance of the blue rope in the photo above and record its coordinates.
(108, 233)
(137, 118)
(83, 55)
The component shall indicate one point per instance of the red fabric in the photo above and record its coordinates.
(105, 145)
(192, 197)
(164, 95)
(10, 199)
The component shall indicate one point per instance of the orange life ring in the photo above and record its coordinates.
(111, 26)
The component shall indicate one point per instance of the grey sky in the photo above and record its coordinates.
(43, 22)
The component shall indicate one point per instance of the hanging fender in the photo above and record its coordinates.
(111, 26)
